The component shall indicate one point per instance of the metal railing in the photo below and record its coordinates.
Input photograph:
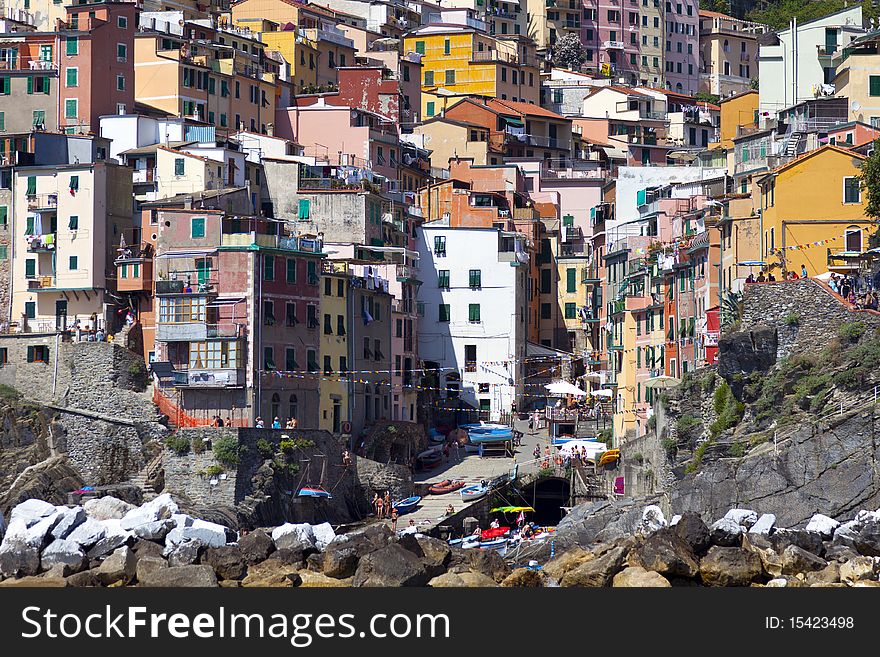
(36, 201)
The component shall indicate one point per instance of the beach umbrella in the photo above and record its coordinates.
(662, 382)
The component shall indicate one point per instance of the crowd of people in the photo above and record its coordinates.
(292, 423)
(859, 290)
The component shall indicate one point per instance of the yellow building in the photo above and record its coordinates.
(738, 112)
(334, 346)
(814, 198)
(576, 280)
(449, 138)
(460, 62)
(740, 228)
(300, 52)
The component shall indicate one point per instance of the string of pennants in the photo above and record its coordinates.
(801, 247)
(341, 379)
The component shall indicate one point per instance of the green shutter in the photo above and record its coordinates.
(30, 309)
(72, 77)
(450, 76)
(429, 109)
(30, 354)
(29, 228)
(124, 271)
(444, 312)
(875, 85)
(420, 47)
(74, 263)
(429, 78)
(568, 220)
(2, 120)
(70, 108)
(304, 208)
(203, 271)
(72, 45)
(446, 46)
(4, 214)
(4, 254)
(179, 166)
(291, 270)
(30, 268)
(641, 196)
(73, 223)
(474, 312)
(197, 225)
(30, 84)
(46, 85)
(571, 285)
(269, 268)
(6, 86)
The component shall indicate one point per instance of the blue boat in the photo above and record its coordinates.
(313, 491)
(435, 436)
(473, 493)
(407, 505)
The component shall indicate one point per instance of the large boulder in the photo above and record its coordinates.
(290, 534)
(227, 561)
(809, 541)
(693, 530)
(830, 574)
(18, 559)
(434, 553)
(256, 546)
(822, 525)
(391, 566)
(465, 579)
(340, 560)
(158, 509)
(730, 566)
(524, 578)
(570, 559)
(846, 533)
(32, 511)
(652, 520)
(764, 526)
(867, 542)
(107, 508)
(146, 565)
(114, 536)
(726, 532)
(69, 520)
(88, 533)
(858, 569)
(323, 534)
(596, 572)
(40, 533)
(181, 577)
(272, 573)
(67, 554)
(183, 554)
(666, 553)
(120, 567)
(155, 530)
(637, 577)
(209, 534)
(797, 560)
(743, 517)
(487, 562)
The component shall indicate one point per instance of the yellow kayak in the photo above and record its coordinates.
(609, 457)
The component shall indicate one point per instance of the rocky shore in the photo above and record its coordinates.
(108, 542)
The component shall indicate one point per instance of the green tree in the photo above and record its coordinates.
(869, 177)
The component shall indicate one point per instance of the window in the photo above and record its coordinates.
(853, 239)
(377, 350)
(328, 324)
(179, 166)
(570, 311)
(122, 22)
(851, 190)
(237, 89)
(570, 284)
(443, 279)
(312, 274)
(73, 222)
(268, 358)
(312, 316)
(328, 366)
(30, 268)
(420, 47)
(476, 279)
(72, 79)
(429, 108)
(368, 354)
(30, 309)
(304, 209)
(290, 363)
(121, 52)
(37, 354)
(197, 227)
(120, 83)
(72, 46)
(4, 213)
(71, 108)
(290, 314)
(546, 311)
(443, 314)
(474, 312)
(291, 270)
(450, 76)
(340, 324)
(39, 118)
(312, 357)
(72, 263)
(268, 268)
(343, 364)
(440, 245)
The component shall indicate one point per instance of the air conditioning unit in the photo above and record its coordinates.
(445, 216)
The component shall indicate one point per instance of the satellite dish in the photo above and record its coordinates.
(856, 106)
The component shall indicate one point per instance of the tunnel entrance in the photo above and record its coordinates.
(547, 496)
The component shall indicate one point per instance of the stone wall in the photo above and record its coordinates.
(262, 493)
(819, 313)
(104, 418)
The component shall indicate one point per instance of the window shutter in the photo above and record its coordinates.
(30, 268)
(30, 84)
(30, 354)
(29, 228)
(4, 212)
(875, 85)
(304, 208)
(46, 85)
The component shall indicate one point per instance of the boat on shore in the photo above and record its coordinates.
(493, 532)
(474, 493)
(445, 486)
(406, 505)
(314, 491)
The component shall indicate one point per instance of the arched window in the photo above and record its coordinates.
(293, 407)
(276, 406)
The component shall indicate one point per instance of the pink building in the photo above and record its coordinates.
(324, 129)
(682, 53)
(617, 37)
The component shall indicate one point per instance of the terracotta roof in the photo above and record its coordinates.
(807, 156)
(545, 209)
(739, 95)
(716, 14)
(522, 108)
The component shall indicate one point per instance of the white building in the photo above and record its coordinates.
(474, 283)
(130, 131)
(795, 67)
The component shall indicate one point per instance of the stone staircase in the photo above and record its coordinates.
(147, 473)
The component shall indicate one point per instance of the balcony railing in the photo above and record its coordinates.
(613, 45)
(41, 283)
(40, 243)
(42, 201)
(27, 64)
(209, 378)
(573, 170)
(141, 176)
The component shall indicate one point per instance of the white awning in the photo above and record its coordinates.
(191, 253)
(564, 388)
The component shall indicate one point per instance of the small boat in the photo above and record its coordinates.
(609, 457)
(445, 486)
(407, 505)
(473, 493)
(494, 532)
(313, 491)
(435, 436)
(494, 544)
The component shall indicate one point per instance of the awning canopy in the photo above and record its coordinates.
(564, 388)
(517, 123)
(192, 253)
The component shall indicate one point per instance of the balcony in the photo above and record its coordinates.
(9, 63)
(42, 201)
(41, 283)
(209, 378)
(405, 273)
(134, 269)
(40, 243)
(590, 276)
(196, 331)
(331, 35)
(613, 45)
(536, 140)
(143, 176)
(572, 233)
(404, 306)
(252, 240)
(327, 184)
(573, 170)
(572, 25)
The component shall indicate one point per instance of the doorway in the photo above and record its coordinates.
(61, 314)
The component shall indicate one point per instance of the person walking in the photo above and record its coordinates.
(394, 520)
